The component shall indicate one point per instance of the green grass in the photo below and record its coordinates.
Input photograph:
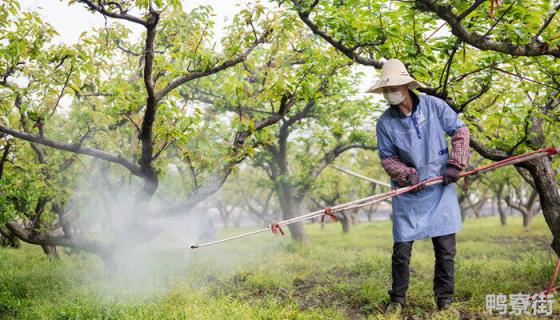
(335, 276)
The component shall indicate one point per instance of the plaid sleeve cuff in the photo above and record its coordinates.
(460, 148)
(397, 170)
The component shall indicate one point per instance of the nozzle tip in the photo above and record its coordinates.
(194, 246)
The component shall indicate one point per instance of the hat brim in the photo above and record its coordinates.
(395, 81)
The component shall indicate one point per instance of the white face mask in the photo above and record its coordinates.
(394, 97)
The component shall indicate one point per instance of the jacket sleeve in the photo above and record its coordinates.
(459, 156)
(397, 170)
(449, 119)
(390, 160)
(460, 135)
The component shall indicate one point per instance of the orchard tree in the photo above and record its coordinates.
(125, 109)
(323, 123)
(310, 139)
(495, 65)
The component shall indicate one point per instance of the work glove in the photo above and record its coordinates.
(450, 175)
(413, 179)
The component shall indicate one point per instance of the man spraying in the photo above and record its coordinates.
(411, 139)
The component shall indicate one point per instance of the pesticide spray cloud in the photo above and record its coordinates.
(145, 245)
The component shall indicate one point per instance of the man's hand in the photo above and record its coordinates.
(413, 179)
(451, 174)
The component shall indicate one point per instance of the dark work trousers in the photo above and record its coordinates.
(444, 249)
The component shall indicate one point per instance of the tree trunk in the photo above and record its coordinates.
(355, 217)
(477, 207)
(297, 231)
(527, 218)
(503, 214)
(543, 175)
(345, 222)
(462, 208)
(237, 222)
(290, 210)
(50, 251)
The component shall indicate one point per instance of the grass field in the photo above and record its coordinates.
(336, 276)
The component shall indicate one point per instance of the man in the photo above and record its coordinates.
(413, 147)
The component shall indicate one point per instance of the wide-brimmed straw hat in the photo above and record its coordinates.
(394, 73)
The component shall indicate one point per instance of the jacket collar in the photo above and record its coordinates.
(397, 113)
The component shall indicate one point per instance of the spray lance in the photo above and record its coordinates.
(277, 227)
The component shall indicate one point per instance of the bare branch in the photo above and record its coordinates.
(121, 15)
(62, 91)
(126, 50)
(326, 160)
(497, 21)
(75, 148)
(517, 75)
(55, 239)
(4, 158)
(330, 156)
(473, 7)
(164, 147)
(473, 97)
(132, 121)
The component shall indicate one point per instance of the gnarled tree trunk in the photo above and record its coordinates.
(543, 175)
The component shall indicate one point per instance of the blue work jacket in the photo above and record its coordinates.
(419, 140)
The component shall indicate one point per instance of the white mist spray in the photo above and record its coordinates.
(148, 245)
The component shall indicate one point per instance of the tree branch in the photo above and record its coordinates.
(75, 148)
(473, 7)
(533, 48)
(122, 15)
(4, 158)
(217, 181)
(329, 158)
(546, 23)
(55, 240)
(199, 74)
(349, 52)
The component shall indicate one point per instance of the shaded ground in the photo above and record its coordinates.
(336, 276)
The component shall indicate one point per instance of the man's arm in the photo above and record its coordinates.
(390, 160)
(460, 135)
(397, 170)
